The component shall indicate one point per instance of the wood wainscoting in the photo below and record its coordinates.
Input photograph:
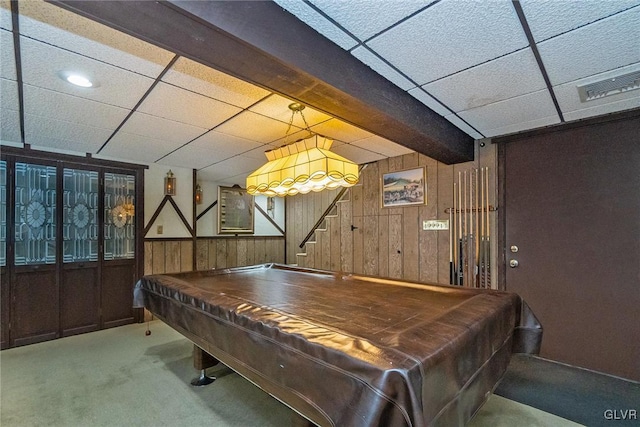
(178, 255)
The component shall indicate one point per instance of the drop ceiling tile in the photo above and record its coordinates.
(174, 103)
(429, 101)
(277, 107)
(451, 36)
(9, 112)
(605, 45)
(42, 64)
(258, 153)
(380, 145)
(62, 107)
(382, 68)
(364, 18)
(340, 131)
(548, 18)
(137, 148)
(7, 57)
(239, 167)
(201, 79)
(506, 77)
(208, 149)
(176, 133)
(9, 94)
(68, 30)
(522, 126)
(356, 154)
(569, 98)
(5, 15)
(525, 108)
(255, 127)
(63, 135)
(318, 22)
(463, 126)
(597, 110)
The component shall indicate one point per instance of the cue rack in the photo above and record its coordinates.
(470, 230)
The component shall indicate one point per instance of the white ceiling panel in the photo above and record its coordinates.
(429, 101)
(569, 98)
(356, 154)
(208, 149)
(451, 36)
(277, 107)
(63, 135)
(174, 103)
(70, 31)
(365, 18)
(607, 108)
(382, 68)
(463, 126)
(63, 107)
(318, 22)
(548, 18)
(9, 111)
(5, 15)
(159, 128)
(256, 127)
(7, 58)
(522, 126)
(198, 78)
(42, 64)
(233, 171)
(508, 76)
(340, 131)
(383, 146)
(536, 105)
(137, 148)
(605, 45)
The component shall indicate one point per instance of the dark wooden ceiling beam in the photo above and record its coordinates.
(259, 42)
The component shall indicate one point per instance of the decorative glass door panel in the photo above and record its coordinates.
(80, 215)
(119, 211)
(35, 214)
(3, 213)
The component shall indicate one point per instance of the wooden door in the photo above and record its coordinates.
(571, 203)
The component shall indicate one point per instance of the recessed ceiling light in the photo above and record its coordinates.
(78, 80)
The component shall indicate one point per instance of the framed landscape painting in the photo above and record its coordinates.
(404, 188)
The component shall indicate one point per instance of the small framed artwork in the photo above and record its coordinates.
(404, 188)
(235, 211)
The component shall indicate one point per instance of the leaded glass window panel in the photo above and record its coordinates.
(80, 215)
(119, 214)
(3, 213)
(35, 214)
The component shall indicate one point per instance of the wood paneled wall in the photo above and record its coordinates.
(177, 255)
(385, 242)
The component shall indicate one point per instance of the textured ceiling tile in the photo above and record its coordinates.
(199, 78)
(163, 129)
(137, 148)
(610, 107)
(9, 112)
(7, 58)
(463, 126)
(318, 22)
(277, 107)
(383, 146)
(548, 18)
(42, 65)
(509, 112)
(356, 154)
(451, 36)
(9, 94)
(341, 131)
(506, 77)
(73, 32)
(174, 103)
(5, 15)
(59, 106)
(63, 135)
(522, 126)
(382, 68)
(569, 98)
(611, 43)
(239, 167)
(365, 18)
(254, 127)
(429, 101)
(210, 148)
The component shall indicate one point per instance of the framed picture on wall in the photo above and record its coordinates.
(404, 188)
(235, 211)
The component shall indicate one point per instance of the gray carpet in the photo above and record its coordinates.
(120, 377)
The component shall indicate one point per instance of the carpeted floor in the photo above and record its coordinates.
(120, 377)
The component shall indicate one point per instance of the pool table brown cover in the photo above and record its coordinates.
(348, 350)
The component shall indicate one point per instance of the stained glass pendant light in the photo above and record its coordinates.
(302, 166)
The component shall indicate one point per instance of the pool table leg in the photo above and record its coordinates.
(201, 361)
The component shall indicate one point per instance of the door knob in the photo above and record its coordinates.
(513, 263)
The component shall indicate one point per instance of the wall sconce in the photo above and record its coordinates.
(198, 194)
(170, 184)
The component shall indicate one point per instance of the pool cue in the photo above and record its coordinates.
(459, 241)
(482, 231)
(465, 232)
(451, 245)
(471, 246)
(477, 248)
(488, 242)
